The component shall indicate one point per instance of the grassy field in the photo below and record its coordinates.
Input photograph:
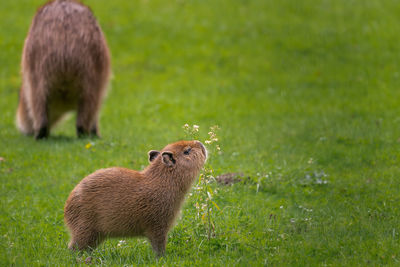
(306, 94)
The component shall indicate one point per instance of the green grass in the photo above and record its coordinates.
(307, 97)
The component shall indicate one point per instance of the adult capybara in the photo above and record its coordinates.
(119, 202)
(65, 66)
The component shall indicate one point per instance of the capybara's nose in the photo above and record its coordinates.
(203, 148)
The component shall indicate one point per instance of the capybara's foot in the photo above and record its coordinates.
(84, 242)
(42, 133)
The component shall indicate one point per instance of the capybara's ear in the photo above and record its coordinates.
(153, 154)
(168, 158)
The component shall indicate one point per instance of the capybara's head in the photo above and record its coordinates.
(182, 156)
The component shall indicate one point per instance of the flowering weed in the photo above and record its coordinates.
(204, 203)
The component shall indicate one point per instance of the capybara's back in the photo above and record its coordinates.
(65, 66)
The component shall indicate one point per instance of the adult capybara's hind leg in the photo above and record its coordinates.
(24, 120)
(88, 111)
(39, 112)
(86, 123)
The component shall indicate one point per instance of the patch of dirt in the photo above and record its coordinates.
(88, 260)
(229, 178)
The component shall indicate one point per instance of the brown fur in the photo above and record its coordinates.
(119, 202)
(65, 66)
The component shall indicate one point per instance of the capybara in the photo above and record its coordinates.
(119, 202)
(65, 66)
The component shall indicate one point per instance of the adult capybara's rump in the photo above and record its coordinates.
(65, 66)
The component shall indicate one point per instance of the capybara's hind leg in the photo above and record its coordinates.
(40, 113)
(24, 120)
(94, 131)
(87, 119)
(84, 241)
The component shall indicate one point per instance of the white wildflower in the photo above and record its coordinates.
(121, 243)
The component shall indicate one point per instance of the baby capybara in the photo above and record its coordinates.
(119, 202)
(65, 66)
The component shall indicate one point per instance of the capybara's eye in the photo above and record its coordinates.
(187, 151)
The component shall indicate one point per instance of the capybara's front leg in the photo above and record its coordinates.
(158, 242)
